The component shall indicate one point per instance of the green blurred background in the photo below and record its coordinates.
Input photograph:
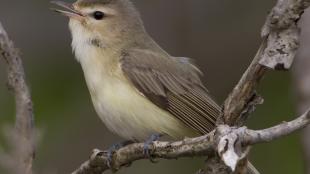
(222, 36)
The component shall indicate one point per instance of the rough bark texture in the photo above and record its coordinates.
(243, 99)
(22, 137)
(283, 34)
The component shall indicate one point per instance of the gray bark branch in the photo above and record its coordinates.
(241, 100)
(22, 138)
(283, 34)
(280, 43)
(225, 141)
(278, 49)
(278, 131)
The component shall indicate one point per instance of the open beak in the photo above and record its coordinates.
(69, 10)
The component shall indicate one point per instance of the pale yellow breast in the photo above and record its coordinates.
(120, 106)
(127, 112)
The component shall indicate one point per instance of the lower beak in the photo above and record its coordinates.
(69, 10)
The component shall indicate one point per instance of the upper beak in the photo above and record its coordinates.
(70, 11)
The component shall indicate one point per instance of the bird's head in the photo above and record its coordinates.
(102, 22)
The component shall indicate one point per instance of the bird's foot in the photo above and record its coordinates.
(146, 148)
(114, 148)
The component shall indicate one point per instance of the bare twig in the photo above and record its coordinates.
(244, 92)
(226, 141)
(281, 41)
(278, 131)
(20, 162)
(98, 163)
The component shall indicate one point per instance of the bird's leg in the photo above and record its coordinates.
(148, 142)
(116, 147)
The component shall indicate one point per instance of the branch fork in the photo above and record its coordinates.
(231, 147)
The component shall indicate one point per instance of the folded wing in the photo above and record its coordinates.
(173, 84)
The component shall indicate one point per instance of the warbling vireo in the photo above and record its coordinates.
(136, 87)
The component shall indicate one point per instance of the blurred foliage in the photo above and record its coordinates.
(223, 37)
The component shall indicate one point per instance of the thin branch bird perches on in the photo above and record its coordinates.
(224, 140)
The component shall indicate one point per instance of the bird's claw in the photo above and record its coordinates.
(146, 147)
(113, 149)
(110, 153)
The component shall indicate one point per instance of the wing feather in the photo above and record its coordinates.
(172, 84)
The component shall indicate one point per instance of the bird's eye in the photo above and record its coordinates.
(98, 15)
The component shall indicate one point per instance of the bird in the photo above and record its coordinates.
(137, 88)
